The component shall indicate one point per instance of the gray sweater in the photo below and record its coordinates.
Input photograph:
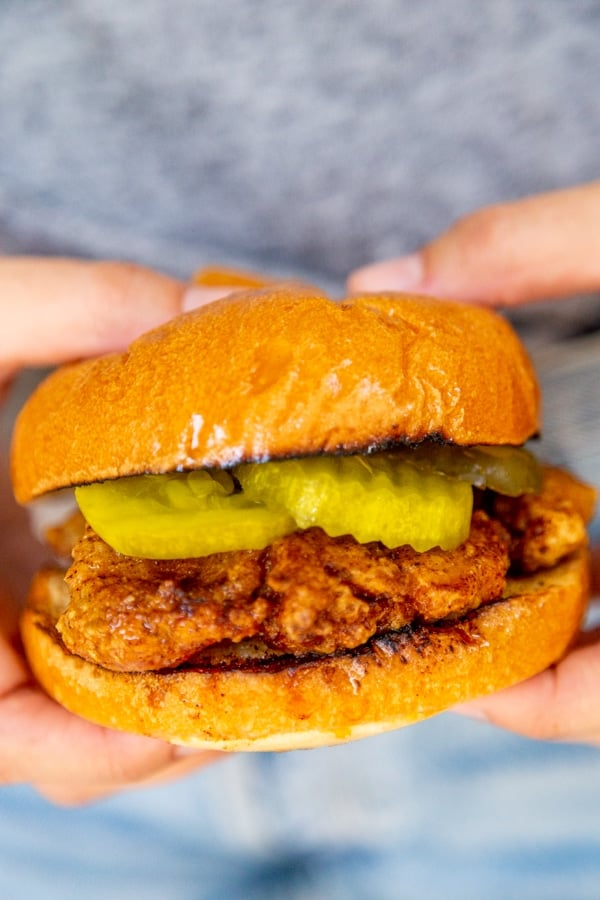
(299, 136)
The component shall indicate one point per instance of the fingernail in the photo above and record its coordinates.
(194, 296)
(471, 711)
(181, 752)
(405, 273)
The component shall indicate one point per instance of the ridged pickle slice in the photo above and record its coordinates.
(179, 516)
(507, 470)
(419, 496)
(374, 498)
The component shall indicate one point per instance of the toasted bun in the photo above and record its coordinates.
(278, 372)
(393, 681)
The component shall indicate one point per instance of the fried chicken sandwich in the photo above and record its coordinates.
(305, 522)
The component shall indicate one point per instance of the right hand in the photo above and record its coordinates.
(508, 255)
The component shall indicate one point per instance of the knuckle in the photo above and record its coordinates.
(489, 233)
(119, 279)
(488, 248)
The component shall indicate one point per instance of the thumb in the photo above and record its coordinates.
(536, 248)
(558, 704)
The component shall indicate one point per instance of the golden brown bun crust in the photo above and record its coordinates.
(397, 681)
(277, 372)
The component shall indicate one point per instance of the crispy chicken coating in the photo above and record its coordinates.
(131, 614)
(306, 593)
(546, 527)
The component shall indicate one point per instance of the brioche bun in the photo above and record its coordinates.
(393, 681)
(272, 373)
(278, 372)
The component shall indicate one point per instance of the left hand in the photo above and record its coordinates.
(52, 311)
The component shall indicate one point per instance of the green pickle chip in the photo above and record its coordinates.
(419, 496)
(373, 498)
(179, 516)
(508, 470)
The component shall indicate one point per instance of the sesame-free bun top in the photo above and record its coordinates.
(275, 372)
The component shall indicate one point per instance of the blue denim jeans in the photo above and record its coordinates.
(446, 809)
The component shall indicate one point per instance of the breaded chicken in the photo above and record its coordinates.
(548, 526)
(306, 593)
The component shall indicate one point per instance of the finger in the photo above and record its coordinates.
(43, 744)
(558, 704)
(69, 759)
(67, 794)
(53, 310)
(198, 296)
(540, 247)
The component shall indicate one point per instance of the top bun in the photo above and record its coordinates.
(276, 372)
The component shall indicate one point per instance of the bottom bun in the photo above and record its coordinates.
(283, 704)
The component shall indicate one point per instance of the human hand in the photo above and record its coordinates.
(506, 255)
(52, 311)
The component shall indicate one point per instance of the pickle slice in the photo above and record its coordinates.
(420, 496)
(179, 516)
(512, 471)
(378, 498)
